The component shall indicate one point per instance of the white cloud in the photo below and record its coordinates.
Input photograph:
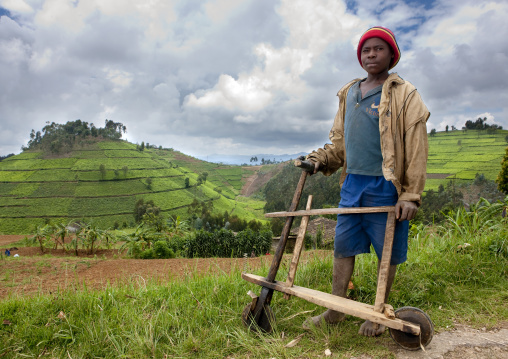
(19, 6)
(247, 94)
(443, 33)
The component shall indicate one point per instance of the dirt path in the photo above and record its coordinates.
(462, 343)
(258, 179)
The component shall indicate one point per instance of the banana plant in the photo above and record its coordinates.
(92, 235)
(177, 226)
(42, 233)
(61, 231)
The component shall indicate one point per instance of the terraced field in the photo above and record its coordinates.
(34, 189)
(460, 155)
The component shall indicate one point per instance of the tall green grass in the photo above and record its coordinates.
(457, 273)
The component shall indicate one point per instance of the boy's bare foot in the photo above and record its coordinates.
(328, 317)
(370, 329)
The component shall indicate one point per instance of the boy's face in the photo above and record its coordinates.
(376, 56)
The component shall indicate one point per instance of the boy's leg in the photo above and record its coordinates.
(368, 328)
(342, 271)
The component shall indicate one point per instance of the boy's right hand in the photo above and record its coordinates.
(317, 164)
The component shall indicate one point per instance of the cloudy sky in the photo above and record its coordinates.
(237, 76)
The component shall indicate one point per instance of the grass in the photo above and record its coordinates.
(200, 316)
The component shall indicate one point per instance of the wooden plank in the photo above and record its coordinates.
(298, 248)
(384, 265)
(344, 305)
(321, 211)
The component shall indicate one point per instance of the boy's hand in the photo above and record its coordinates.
(317, 164)
(405, 210)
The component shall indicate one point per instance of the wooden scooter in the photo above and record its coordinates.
(409, 327)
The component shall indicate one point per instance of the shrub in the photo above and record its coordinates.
(177, 243)
(147, 254)
(224, 243)
(161, 250)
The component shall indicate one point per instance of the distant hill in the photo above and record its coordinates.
(241, 159)
(102, 181)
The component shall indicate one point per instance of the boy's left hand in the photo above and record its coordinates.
(405, 210)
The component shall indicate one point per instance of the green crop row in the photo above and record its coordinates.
(15, 176)
(109, 188)
(7, 188)
(116, 145)
(16, 164)
(165, 184)
(159, 172)
(53, 163)
(173, 199)
(24, 189)
(88, 154)
(52, 175)
(112, 163)
(83, 207)
(36, 207)
(24, 156)
(233, 171)
(126, 154)
(21, 225)
(55, 189)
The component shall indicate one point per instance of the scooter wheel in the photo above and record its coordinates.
(409, 341)
(265, 321)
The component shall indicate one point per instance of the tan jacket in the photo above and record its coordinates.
(403, 131)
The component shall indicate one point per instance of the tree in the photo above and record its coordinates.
(432, 132)
(502, 177)
(58, 138)
(446, 128)
(149, 183)
(141, 208)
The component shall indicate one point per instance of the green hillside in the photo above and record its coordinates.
(460, 155)
(35, 189)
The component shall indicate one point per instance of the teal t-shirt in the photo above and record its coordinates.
(361, 131)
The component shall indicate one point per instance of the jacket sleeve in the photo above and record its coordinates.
(415, 150)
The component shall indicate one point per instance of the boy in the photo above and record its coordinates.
(379, 138)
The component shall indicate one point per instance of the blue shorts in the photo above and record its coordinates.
(355, 233)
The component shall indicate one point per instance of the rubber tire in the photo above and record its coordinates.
(409, 341)
(265, 322)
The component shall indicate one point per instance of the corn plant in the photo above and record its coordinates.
(481, 216)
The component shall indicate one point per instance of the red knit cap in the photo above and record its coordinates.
(384, 34)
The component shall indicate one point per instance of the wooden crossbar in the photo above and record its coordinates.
(321, 211)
